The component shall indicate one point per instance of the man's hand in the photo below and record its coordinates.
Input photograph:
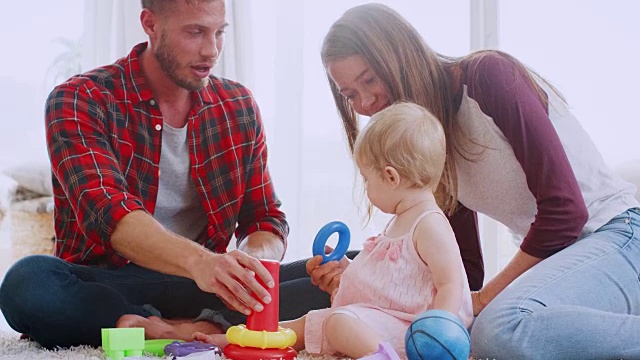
(142, 240)
(231, 277)
(326, 276)
(263, 245)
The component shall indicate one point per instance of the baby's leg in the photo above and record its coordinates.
(350, 336)
(297, 326)
(367, 328)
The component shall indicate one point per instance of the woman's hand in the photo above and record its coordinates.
(326, 276)
(520, 263)
(478, 302)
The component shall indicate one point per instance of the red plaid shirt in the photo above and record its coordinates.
(104, 137)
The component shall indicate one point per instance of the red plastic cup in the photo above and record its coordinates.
(267, 319)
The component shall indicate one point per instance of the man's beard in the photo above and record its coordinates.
(168, 63)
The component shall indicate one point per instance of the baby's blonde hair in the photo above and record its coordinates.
(407, 137)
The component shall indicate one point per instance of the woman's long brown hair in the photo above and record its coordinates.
(411, 71)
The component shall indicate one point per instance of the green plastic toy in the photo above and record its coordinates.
(120, 342)
(156, 347)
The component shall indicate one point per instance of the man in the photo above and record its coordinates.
(156, 165)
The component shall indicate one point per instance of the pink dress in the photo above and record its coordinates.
(386, 286)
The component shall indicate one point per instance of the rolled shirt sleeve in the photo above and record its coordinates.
(84, 164)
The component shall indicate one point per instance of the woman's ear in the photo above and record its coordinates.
(392, 176)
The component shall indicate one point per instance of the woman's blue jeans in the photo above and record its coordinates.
(581, 303)
(61, 304)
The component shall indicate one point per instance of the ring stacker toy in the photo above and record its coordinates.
(262, 338)
(344, 237)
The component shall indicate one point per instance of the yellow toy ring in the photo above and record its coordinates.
(281, 339)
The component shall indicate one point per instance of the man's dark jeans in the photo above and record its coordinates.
(61, 304)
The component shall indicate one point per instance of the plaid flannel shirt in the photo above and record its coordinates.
(104, 136)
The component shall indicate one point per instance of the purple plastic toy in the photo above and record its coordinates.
(385, 352)
(178, 349)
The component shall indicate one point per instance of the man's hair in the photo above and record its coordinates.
(407, 137)
(156, 6)
(160, 6)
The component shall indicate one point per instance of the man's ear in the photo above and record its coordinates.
(149, 22)
(392, 176)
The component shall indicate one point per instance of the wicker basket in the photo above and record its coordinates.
(31, 227)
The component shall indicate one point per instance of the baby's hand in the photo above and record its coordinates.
(333, 294)
(326, 276)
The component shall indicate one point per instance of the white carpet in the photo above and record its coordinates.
(12, 348)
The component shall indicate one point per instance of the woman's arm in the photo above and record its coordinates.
(520, 263)
(505, 92)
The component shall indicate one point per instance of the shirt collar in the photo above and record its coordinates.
(137, 85)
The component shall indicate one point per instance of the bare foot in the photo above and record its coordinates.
(217, 339)
(157, 328)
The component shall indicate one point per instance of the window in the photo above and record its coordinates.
(37, 54)
(589, 50)
(309, 158)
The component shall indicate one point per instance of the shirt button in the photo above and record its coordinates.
(158, 127)
(152, 102)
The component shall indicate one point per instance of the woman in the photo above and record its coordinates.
(514, 153)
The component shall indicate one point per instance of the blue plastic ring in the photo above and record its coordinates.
(344, 237)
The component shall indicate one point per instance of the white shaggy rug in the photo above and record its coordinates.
(12, 348)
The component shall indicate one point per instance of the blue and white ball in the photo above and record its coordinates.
(437, 335)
